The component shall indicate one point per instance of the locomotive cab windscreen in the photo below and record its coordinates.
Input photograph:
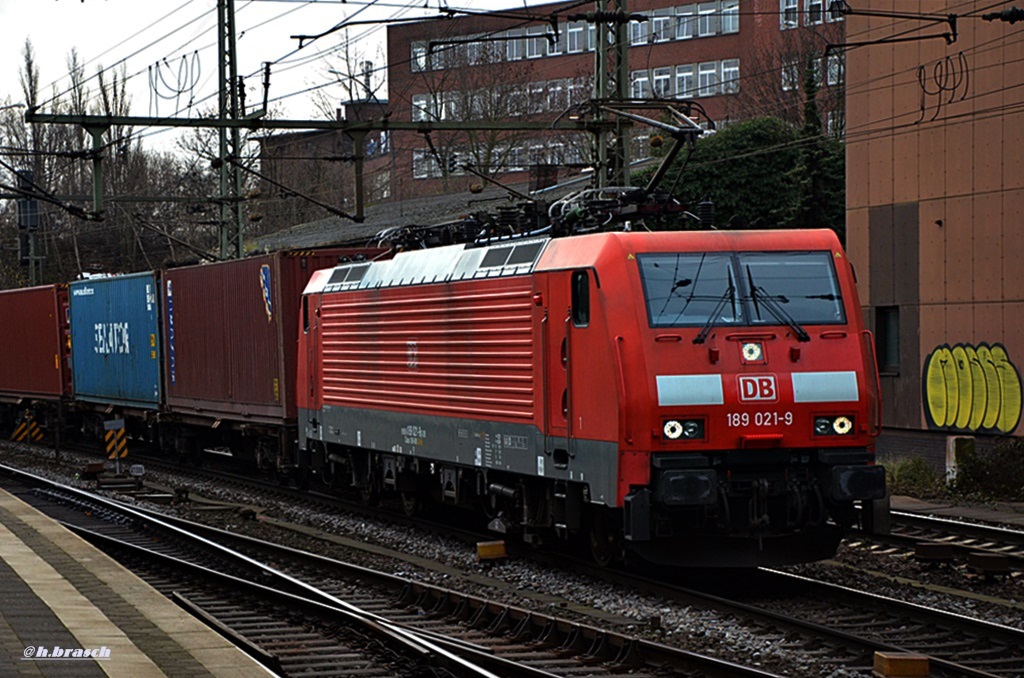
(741, 289)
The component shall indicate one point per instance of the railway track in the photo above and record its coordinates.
(931, 537)
(354, 620)
(844, 625)
(957, 645)
(812, 621)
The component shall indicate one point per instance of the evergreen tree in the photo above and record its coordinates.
(818, 176)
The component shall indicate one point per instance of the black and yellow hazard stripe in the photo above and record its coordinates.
(28, 429)
(117, 445)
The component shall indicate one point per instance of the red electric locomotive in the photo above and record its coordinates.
(696, 398)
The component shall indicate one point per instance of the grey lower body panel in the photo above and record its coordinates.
(520, 449)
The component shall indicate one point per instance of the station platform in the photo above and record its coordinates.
(68, 610)
(1009, 514)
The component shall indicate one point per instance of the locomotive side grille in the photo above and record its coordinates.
(469, 353)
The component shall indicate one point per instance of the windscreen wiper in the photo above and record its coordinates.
(769, 302)
(728, 295)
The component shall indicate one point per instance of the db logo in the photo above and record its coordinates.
(761, 389)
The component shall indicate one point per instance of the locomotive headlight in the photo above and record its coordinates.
(693, 429)
(752, 351)
(688, 429)
(833, 426)
(842, 425)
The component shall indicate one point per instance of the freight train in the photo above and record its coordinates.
(686, 397)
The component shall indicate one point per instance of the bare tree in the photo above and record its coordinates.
(133, 231)
(475, 80)
(775, 73)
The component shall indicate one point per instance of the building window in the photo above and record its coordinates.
(835, 11)
(835, 125)
(685, 20)
(421, 107)
(556, 43)
(536, 43)
(731, 16)
(538, 97)
(639, 31)
(516, 159)
(661, 26)
(591, 37)
(663, 82)
(578, 90)
(447, 56)
(707, 79)
(684, 81)
(574, 38)
(424, 164)
(474, 53)
(835, 69)
(451, 106)
(556, 154)
(419, 57)
(556, 95)
(887, 338)
(538, 154)
(790, 75)
(707, 19)
(514, 47)
(789, 13)
(815, 11)
(575, 155)
(730, 76)
(640, 86)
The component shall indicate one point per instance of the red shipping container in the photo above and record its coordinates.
(34, 343)
(230, 334)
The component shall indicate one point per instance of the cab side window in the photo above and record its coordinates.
(580, 299)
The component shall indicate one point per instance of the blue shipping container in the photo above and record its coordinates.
(115, 340)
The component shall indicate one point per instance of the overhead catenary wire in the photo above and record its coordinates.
(331, 83)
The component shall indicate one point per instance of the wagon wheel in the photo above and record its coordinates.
(369, 494)
(412, 504)
(605, 536)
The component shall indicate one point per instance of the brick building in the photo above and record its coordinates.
(935, 197)
(738, 58)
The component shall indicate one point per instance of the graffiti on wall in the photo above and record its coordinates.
(968, 388)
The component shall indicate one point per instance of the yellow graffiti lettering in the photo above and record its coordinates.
(968, 388)
(1009, 388)
(994, 399)
(979, 400)
(935, 389)
(952, 383)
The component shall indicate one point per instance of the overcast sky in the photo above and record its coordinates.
(168, 47)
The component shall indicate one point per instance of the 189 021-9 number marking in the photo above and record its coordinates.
(772, 418)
